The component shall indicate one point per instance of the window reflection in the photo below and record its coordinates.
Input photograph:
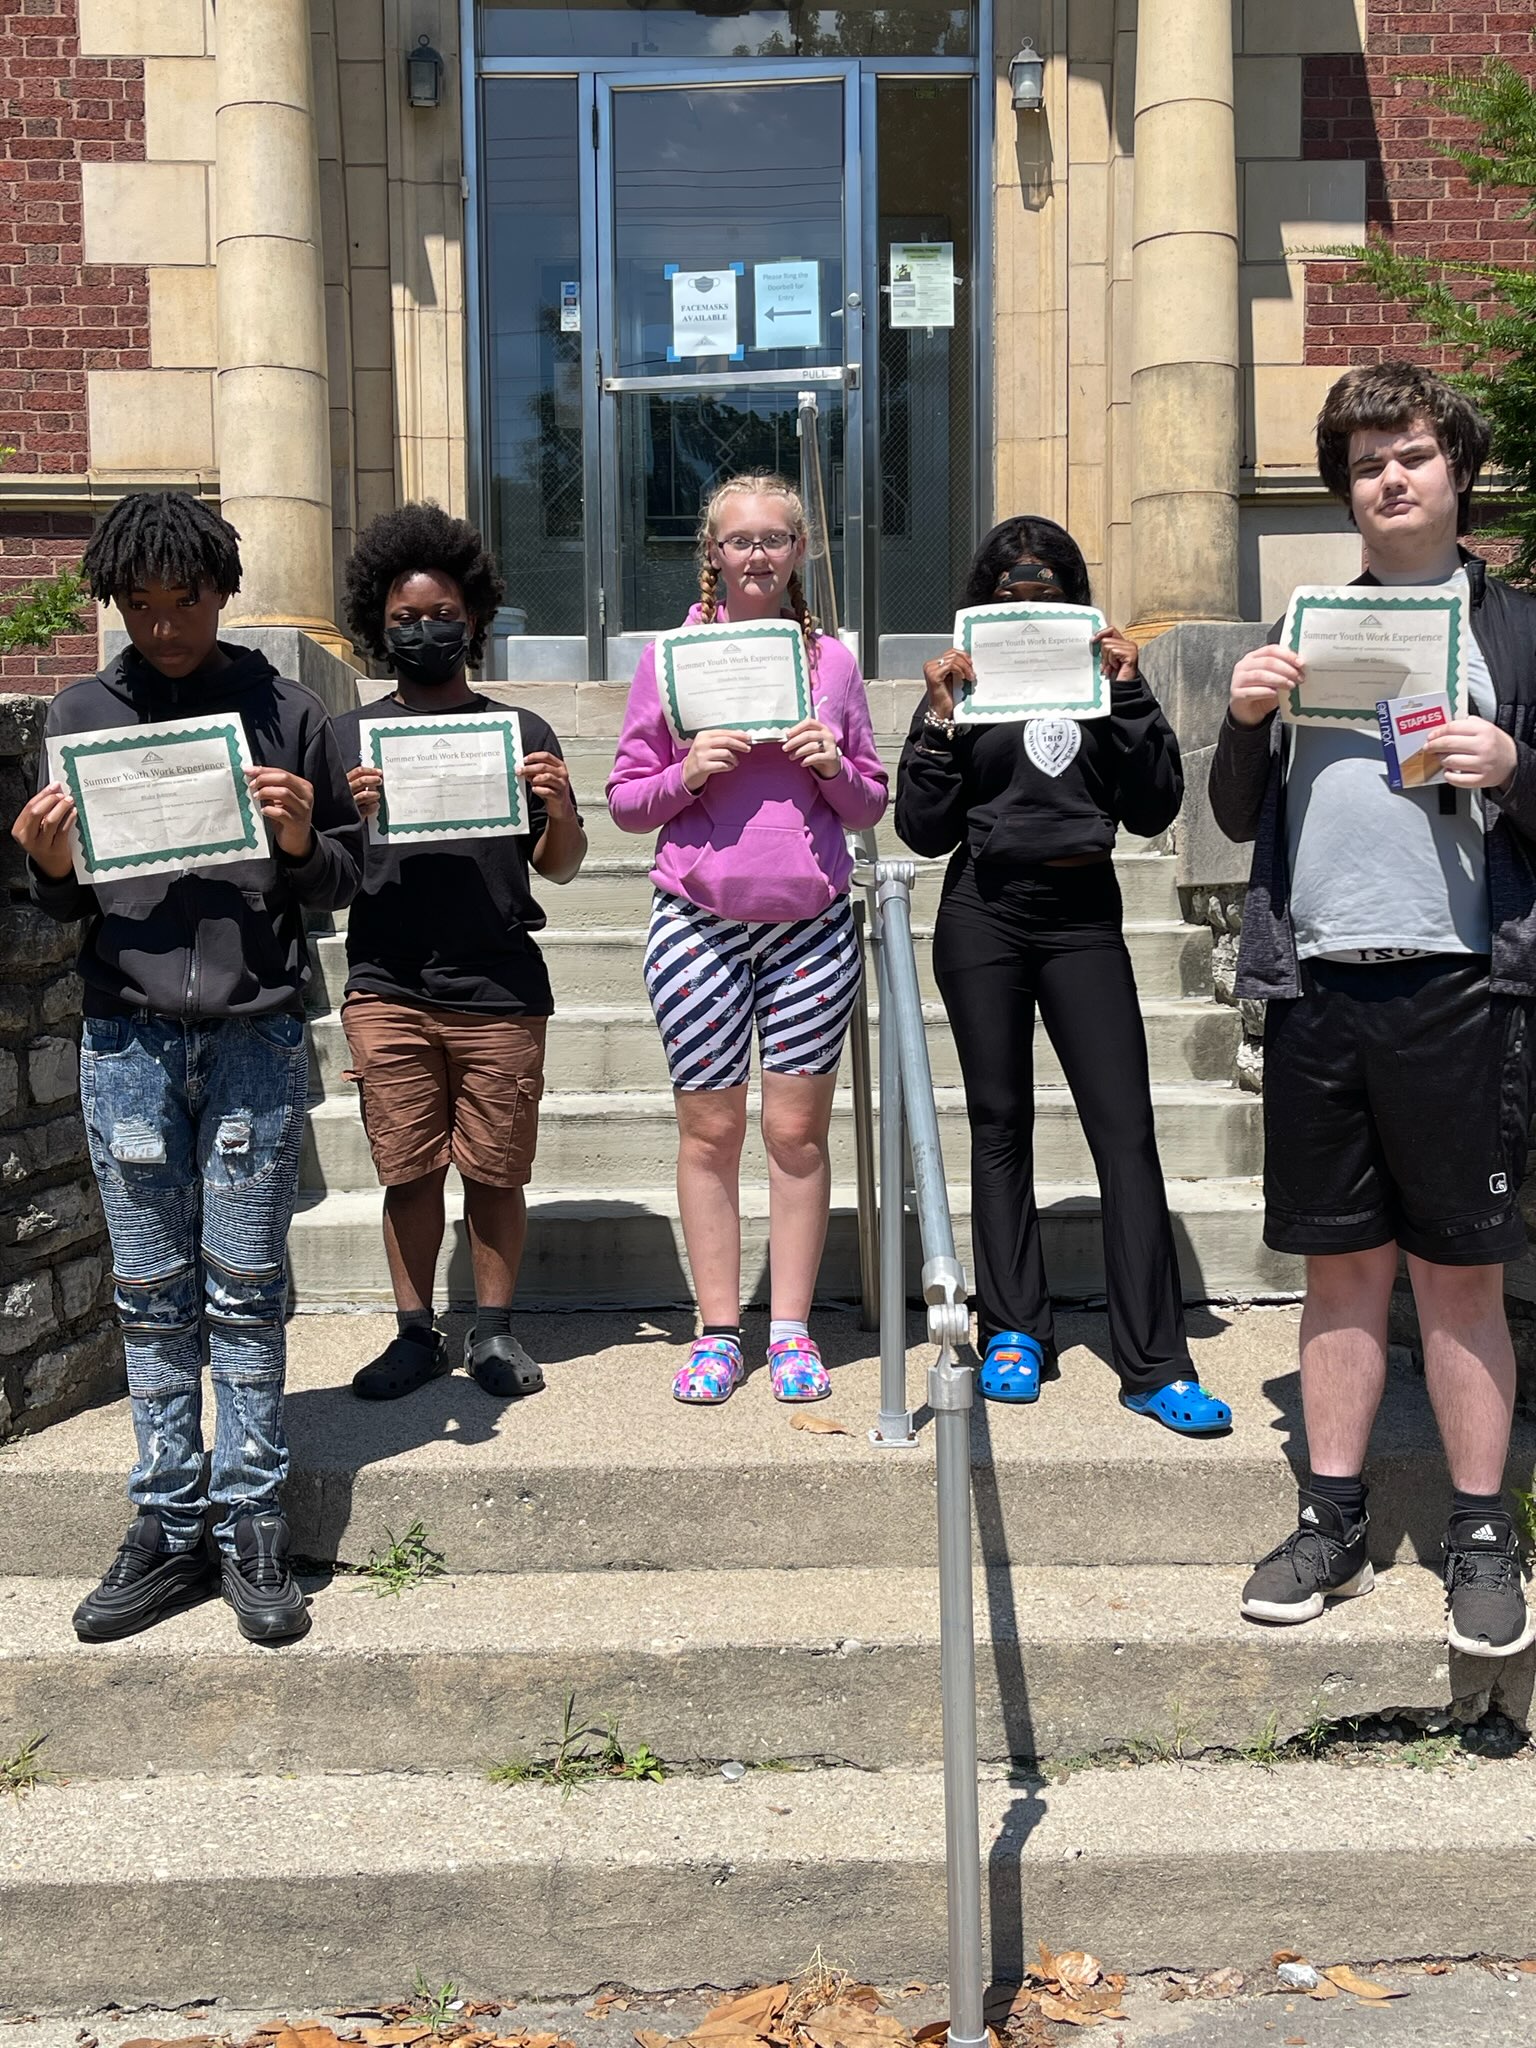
(722, 28)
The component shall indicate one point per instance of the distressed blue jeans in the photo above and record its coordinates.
(194, 1132)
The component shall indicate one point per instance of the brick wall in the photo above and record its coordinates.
(1368, 108)
(59, 316)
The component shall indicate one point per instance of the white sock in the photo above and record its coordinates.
(778, 1330)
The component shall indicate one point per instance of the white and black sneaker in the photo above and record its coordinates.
(1322, 1559)
(1484, 1587)
(268, 1600)
(145, 1582)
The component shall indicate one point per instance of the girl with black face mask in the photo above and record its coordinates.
(448, 996)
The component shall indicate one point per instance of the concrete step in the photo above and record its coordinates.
(1171, 960)
(801, 1665)
(616, 1046)
(1206, 1130)
(625, 1246)
(170, 1888)
(614, 890)
(603, 1471)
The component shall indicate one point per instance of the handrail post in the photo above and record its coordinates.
(949, 1396)
(893, 1426)
(867, 1219)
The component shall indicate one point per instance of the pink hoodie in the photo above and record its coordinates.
(763, 843)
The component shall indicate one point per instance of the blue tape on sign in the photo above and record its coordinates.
(672, 354)
(670, 269)
(740, 269)
(738, 354)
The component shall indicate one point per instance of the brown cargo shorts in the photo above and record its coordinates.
(441, 1087)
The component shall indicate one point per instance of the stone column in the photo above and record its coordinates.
(1185, 392)
(271, 404)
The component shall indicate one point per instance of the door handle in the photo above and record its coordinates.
(854, 376)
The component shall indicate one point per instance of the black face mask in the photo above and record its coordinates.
(430, 652)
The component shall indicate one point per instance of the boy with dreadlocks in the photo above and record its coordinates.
(448, 996)
(193, 1073)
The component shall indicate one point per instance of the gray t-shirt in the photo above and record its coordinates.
(1380, 870)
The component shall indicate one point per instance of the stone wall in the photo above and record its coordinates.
(59, 1345)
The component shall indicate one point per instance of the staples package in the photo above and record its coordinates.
(1407, 723)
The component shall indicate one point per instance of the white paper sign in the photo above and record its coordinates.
(922, 284)
(749, 678)
(570, 307)
(159, 799)
(1363, 644)
(787, 302)
(703, 312)
(446, 778)
(1031, 661)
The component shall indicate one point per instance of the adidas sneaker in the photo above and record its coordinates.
(1484, 1587)
(1322, 1559)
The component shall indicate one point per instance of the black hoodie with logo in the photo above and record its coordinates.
(227, 942)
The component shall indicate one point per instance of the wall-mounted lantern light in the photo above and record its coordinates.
(1026, 75)
(424, 75)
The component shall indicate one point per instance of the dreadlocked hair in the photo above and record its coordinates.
(402, 543)
(168, 535)
(759, 483)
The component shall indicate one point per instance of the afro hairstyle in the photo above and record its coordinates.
(409, 539)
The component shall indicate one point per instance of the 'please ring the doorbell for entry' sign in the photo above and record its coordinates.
(704, 312)
(787, 305)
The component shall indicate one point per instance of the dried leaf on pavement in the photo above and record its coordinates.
(1363, 1987)
(820, 1425)
(1324, 1990)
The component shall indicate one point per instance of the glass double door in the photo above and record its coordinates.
(669, 262)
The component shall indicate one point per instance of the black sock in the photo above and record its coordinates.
(1476, 1503)
(415, 1322)
(731, 1330)
(1347, 1495)
(492, 1322)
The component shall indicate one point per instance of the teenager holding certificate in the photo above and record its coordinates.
(1392, 932)
(192, 1065)
(751, 924)
(1030, 918)
(448, 996)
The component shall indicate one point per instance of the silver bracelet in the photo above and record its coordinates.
(933, 722)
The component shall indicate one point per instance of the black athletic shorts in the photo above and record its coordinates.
(1397, 1105)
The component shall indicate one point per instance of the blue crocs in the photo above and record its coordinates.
(1185, 1408)
(1011, 1369)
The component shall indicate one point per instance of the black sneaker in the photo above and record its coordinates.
(145, 1582)
(502, 1367)
(1322, 1559)
(406, 1363)
(269, 1607)
(1484, 1589)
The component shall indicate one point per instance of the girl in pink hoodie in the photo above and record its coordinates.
(751, 926)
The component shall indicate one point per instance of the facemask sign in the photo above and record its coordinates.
(429, 651)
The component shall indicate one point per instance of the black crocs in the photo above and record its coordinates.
(406, 1363)
(502, 1367)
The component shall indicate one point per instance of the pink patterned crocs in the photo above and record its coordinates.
(713, 1373)
(796, 1370)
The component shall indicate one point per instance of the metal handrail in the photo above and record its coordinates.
(908, 1110)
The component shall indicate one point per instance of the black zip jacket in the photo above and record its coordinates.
(982, 791)
(228, 942)
(1248, 802)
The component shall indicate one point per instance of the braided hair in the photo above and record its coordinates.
(762, 483)
(169, 536)
(401, 543)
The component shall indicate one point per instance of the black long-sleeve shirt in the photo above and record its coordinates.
(227, 942)
(983, 791)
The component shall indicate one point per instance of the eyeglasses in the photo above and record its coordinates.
(776, 543)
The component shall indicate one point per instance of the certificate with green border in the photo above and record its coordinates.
(1031, 661)
(1364, 645)
(447, 778)
(751, 678)
(159, 799)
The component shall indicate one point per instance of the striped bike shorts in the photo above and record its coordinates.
(709, 979)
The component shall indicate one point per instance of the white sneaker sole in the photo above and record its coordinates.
(1468, 1648)
(1308, 1610)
